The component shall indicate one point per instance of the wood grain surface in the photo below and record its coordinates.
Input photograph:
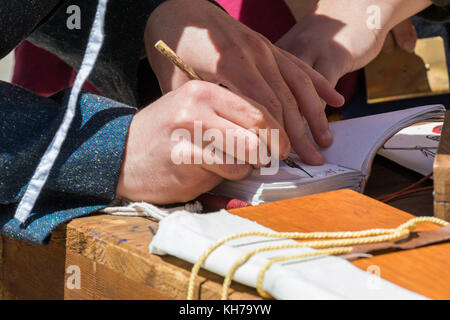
(442, 173)
(112, 254)
(424, 270)
(114, 262)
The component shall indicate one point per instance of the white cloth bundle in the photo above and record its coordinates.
(187, 236)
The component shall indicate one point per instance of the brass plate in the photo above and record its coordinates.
(400, 75)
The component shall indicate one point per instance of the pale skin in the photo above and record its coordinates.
(403, 35)
(224, 51)
(334, 37)
(148, 172)
(287, 89)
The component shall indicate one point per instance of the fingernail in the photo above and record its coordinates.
(327, 137)
(409, 45)
(342, 99)
(319, 157)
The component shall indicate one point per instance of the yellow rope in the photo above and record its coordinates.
(346, 238)
(331, 251)
(311, 244)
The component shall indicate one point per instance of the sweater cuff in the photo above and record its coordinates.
(91, 157)
(86, 172)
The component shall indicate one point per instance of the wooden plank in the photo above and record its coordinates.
(99, 245)
(398, 74)
(442, 173)
(100, 282)
(112, 254)
(2, 295)
(423, 270)
(32, 271)
(121, 245)
(442, 210)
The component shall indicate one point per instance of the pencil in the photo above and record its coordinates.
(166, 51)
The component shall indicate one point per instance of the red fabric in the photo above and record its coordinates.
(348, 84)
(42, 72)
(212, 203)
(271, 18)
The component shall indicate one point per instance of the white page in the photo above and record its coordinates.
(355, 140)
(414, 147)
(356, 143)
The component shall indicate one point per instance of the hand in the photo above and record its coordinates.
(222, 50)
(149, 171)
(335, 38)
(403, 35)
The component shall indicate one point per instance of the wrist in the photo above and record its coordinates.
(382, 14)
(376, 16)
(395, 11)
(172, 16)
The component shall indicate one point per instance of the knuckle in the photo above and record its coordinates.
(291, 102)
(196, 91)
(304, 79)
(275, 105)
(236, 51)
(183, 117)
(257, 118)
(257, 42)
(277, 110)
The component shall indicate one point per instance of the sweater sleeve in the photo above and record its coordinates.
(439, 11)
(85, 175)
(116, 69)
(18, 19)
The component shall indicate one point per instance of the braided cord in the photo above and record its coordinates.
(259, 284)
(344, 239)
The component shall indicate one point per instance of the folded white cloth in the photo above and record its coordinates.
(187, 236)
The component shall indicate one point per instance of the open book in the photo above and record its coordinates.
(414, 147)
(348, 159)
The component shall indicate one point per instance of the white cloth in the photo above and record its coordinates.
(187, 236)
(148, 210)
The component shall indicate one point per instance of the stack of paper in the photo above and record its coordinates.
(349, 159)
